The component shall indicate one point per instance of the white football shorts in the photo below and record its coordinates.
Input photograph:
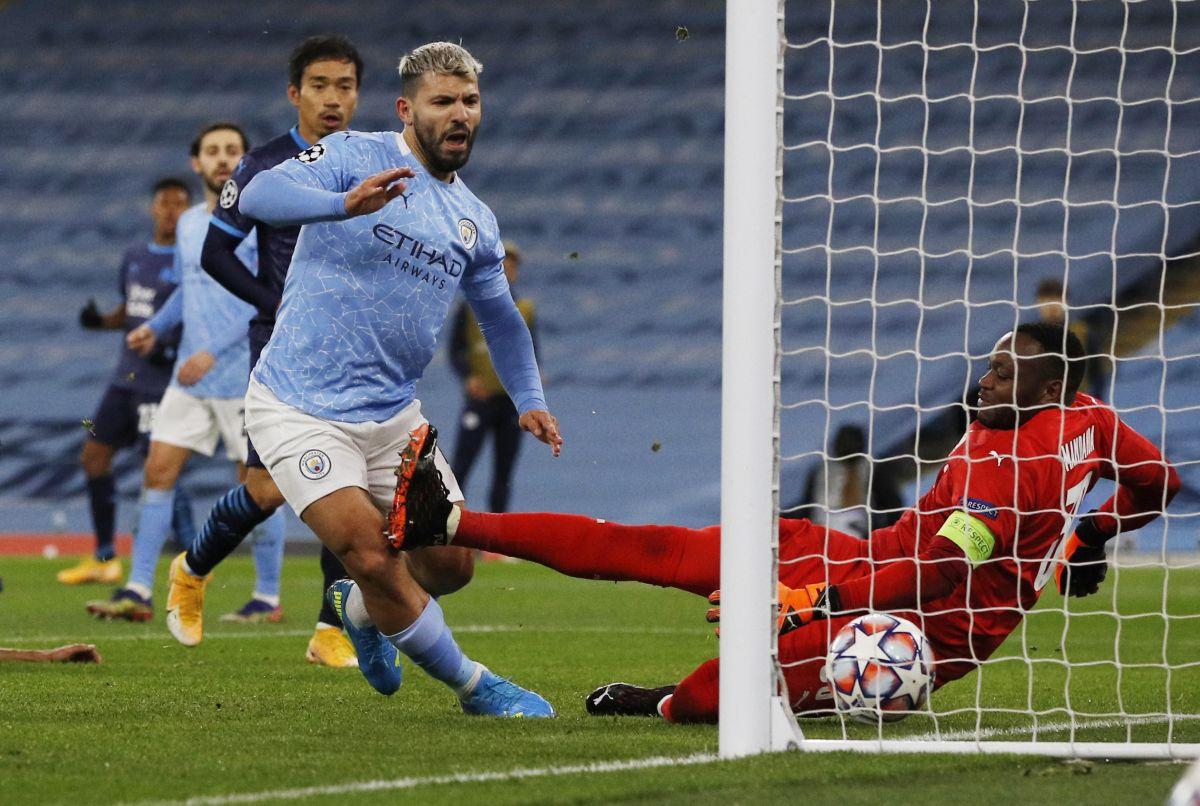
(309, 458)
(196, 423)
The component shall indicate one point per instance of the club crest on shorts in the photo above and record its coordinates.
(229, 194)
(312, 153)
(468, 232)
(314, 464)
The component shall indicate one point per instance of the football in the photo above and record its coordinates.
(880, 668)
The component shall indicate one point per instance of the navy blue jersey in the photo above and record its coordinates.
(147, 280)
(275, 244)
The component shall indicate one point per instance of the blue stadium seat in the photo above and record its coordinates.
(602, 154)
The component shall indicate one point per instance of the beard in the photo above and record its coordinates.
(214, 184)
(431, 143)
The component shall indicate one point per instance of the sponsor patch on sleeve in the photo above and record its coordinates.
(985, 508)
(971, 535)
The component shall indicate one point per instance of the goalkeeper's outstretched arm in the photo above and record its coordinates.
(1146, 484)
(905, 584)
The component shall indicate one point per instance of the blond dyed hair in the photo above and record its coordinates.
(445, 58)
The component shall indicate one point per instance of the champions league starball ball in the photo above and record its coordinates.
(879, 667)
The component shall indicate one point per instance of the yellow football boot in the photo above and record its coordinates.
(185, 603)
(329, 646)
(90, 570)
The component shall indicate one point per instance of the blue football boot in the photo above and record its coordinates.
(493, 695)
(377, 658)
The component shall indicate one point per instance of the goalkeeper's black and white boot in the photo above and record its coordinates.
(421, 504)
(624, 699)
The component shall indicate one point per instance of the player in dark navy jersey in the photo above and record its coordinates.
(323, 79)
(124, 415)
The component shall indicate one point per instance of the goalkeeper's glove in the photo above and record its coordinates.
(89, 316)
(797, 606)
(1084, 564)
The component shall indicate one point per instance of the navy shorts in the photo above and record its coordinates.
(258, 342)
(124, 418)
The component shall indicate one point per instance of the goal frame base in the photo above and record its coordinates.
(1142, 751)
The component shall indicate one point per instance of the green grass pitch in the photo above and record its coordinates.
(243, 714)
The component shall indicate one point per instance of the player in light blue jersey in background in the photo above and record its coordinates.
(205, 400)
(331, 407)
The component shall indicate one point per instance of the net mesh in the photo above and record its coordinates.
(951, 170)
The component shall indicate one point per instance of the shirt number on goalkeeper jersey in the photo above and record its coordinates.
(1074, 498)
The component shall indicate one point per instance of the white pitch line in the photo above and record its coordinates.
(384, 785)
(466, 629)
(521, 773)
(1050, 727)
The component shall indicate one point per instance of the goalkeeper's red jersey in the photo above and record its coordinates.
(1025, 484)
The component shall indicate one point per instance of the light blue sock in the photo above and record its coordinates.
(268, 557)
(431, 646)
(154, 525)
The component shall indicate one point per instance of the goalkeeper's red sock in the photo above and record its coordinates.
(802, 655)
(583, 547)
(696, 698)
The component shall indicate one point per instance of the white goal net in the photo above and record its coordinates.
(929, 175)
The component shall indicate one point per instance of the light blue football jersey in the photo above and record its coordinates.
(366, 297)
(213, 319)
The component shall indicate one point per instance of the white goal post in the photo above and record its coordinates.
(754, 714)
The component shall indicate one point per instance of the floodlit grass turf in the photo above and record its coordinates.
(243, 713)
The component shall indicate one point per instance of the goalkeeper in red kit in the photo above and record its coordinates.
(966, 563)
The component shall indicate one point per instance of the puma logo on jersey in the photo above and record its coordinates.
(998, 457)
(1078, 449)
(822, 693)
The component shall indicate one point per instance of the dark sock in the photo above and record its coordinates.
(102, 498)
(333, 570)
(183, 523)
(231, 519)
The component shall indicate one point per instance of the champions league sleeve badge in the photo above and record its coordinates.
(229, 194)
(312, 154)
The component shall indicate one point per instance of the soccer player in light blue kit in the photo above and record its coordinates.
(331, 406)
(205, 400)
